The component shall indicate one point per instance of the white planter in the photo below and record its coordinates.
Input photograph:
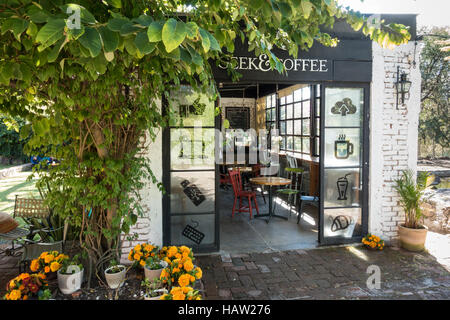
(116, 280)
(69, 283)
(162, 291)
(152, 274)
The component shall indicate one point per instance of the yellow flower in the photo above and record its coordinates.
(149, 247)
(142, 262)
(137, 247)
(54, 266)
(12, 284)
(46, 269)
(172, 251)
(130, 256)
(198, 273)
(184, 280)
(137, 256)
(178, 296)
(188, 266)
(14, 295)
(49, 258)
(43, 254)
(34, 266)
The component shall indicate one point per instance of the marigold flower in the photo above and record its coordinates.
(137, 256)
(14, 295)
(54, 266)
(46, 269)
(178, 296)
(198, 273)
(34, 266)
(188, 266)
(142, 262)
(49, 258)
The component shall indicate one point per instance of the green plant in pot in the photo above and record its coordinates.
(115, 274)
(412, 233)
(153, 289)
(70, 275)
(153, 267)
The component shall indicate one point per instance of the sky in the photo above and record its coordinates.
(431, 12)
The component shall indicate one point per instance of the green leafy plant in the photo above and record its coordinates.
(75, 261)
(114, 267)
(153, 263)
(91, 92)
(153, 288)
(411, 193)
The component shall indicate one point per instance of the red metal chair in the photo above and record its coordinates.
(236, 182)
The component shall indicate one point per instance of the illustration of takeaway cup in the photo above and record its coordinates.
(342, 186)
(193, 192)
(342, 148)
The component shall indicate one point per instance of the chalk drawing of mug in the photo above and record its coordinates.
(342, 148)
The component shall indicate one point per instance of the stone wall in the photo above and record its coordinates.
(393, 135)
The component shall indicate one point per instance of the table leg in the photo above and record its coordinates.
(270, 214)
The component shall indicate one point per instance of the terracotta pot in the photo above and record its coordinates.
(70, 282)
(116, 280)
(152, 274)
(412, 239)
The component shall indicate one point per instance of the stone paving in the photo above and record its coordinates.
(328, 273)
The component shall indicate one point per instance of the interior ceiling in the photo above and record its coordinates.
(249, 90)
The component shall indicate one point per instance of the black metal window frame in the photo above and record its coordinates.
(364, 164)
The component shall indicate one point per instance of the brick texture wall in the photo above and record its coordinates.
(393, 135)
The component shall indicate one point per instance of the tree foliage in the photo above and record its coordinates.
(434, 117)
(89, 87)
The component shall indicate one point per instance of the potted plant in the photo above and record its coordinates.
(153, 289)
(141, 252)
(115, 275)
(153, 267)
(49, 262)
(28, 286)
(373, 242)
(70, 275)
(412, 234)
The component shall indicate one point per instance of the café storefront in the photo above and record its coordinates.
(327, 112)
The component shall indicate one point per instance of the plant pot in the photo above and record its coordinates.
(162, 291)
(69, 283)
(412, 239)
(116, 280)
(152, 274)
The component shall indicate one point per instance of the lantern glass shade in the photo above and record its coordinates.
(403, 85)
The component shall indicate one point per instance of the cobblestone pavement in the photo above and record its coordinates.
(328, 273)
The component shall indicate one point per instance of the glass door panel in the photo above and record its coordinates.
(343, 165)
(190, 173)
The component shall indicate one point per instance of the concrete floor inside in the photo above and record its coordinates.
(239, 234)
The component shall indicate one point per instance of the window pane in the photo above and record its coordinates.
(317, 90)
(297, 95)
(289, 111)
(268, 102)
(289, 129)
(204, 224)
(192, 192)
(306, 94)
(342, 147)
(297, 144)
(283, 100)
(317, 126)
(317, 147)
(274, 97)
(289, 143)
(343, 106)
(289, 98)
(274, 114)
(297, 110)
(268, 115)
(342, 222)
(306, 145)
(317, 107)
(306, 127)
(297, 127)
(342, 188)
(283, 113)
(306, 109)
(283, 143)
(282, 127)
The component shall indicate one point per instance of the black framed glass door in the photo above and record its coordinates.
(189, 173)
(344, 163)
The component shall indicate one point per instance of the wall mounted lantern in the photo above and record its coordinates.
(402, 85)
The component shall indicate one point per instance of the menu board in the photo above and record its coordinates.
(238, 117)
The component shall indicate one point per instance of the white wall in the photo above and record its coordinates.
(393, 135)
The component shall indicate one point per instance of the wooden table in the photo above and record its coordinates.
(241, 169)
(270, 182)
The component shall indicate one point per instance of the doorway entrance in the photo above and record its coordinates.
(322, 129)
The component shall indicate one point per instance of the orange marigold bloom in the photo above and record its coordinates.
(15, 295)
(46, 269)
(198, 273)
(54, 266)
(184, 280)
(137, 256)
(34, 266)
(188, 266)
(142, 262)
(178, 296)
(49, 258)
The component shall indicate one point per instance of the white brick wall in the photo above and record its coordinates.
(393, 135)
